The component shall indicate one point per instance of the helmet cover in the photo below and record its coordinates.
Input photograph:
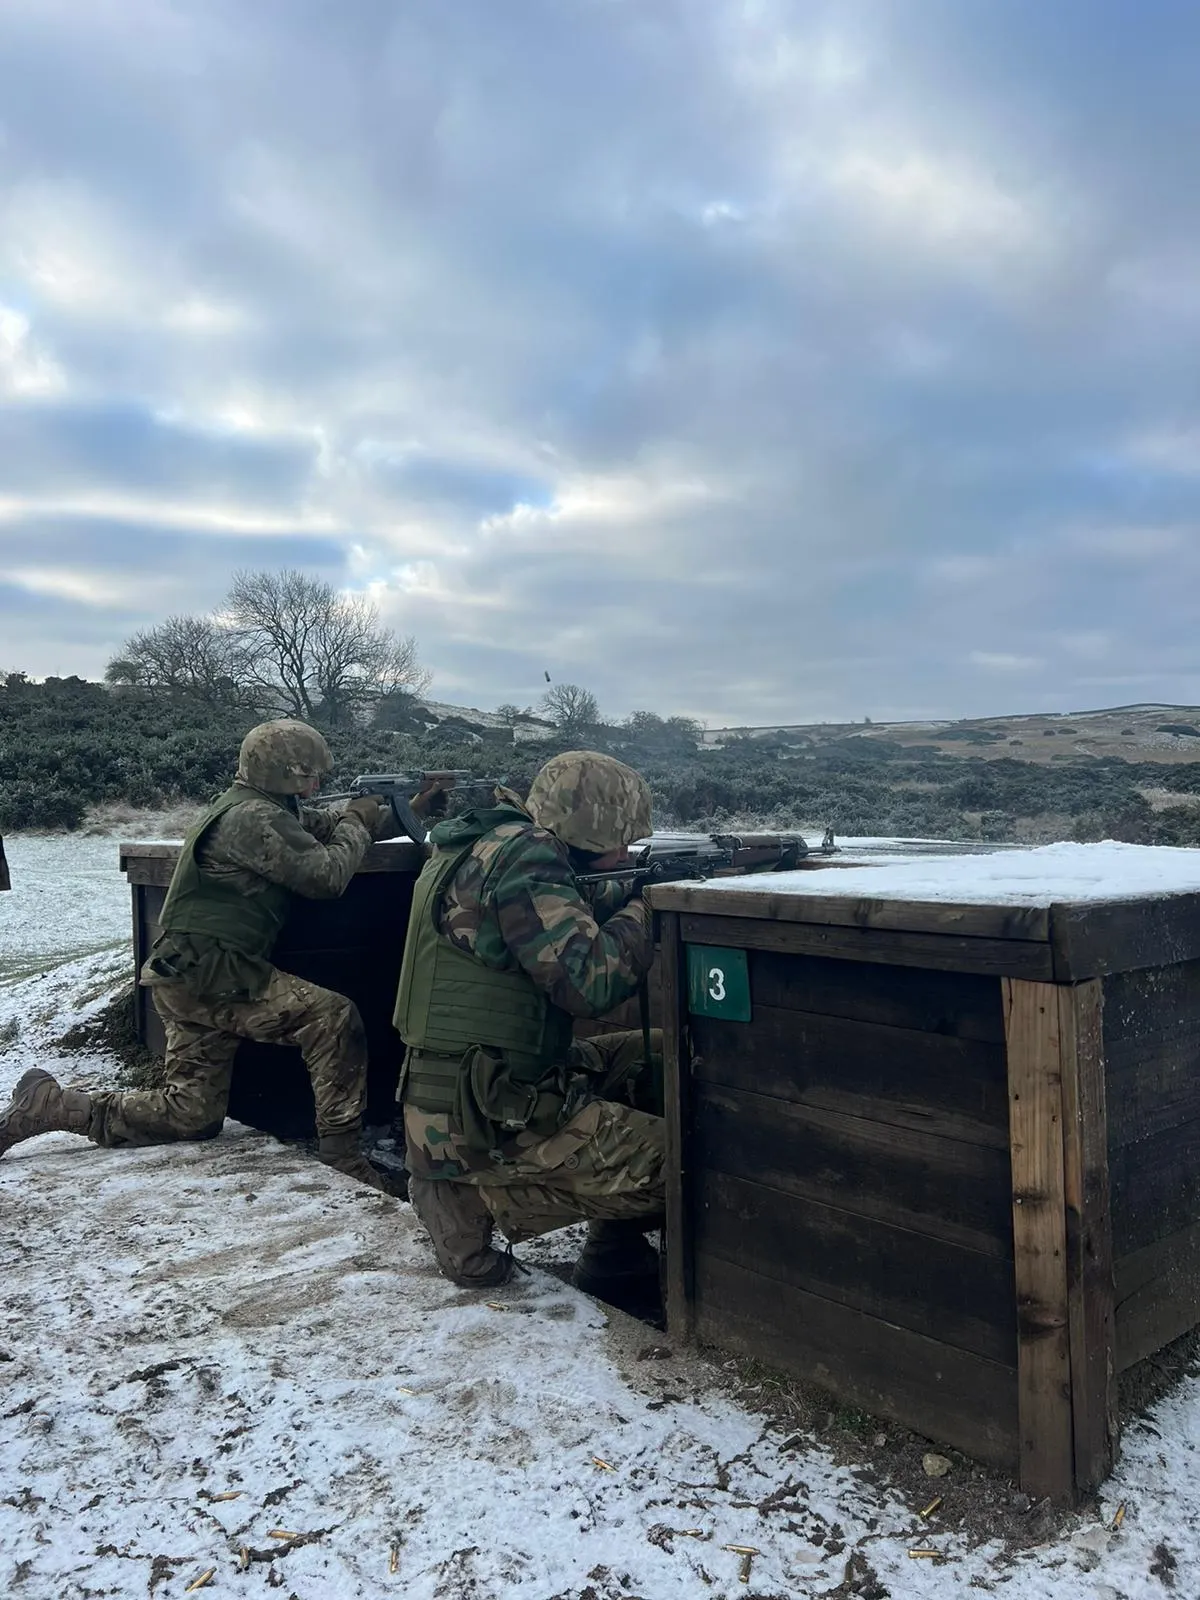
(283, 757)
(592, 802)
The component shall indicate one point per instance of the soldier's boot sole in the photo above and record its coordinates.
(460, 1228)
(40, 1104)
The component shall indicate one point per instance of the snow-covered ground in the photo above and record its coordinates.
(68, 899)
(224, 1358)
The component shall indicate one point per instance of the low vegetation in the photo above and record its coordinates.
(68, 746)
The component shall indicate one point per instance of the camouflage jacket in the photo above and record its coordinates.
(515, 902)
(310, 850)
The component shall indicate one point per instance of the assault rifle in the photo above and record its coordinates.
(677, 857)
(412, 795)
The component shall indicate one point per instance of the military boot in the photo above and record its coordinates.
(619, 1265)
(343, 1152)
(40, 1104)
(460, 1228)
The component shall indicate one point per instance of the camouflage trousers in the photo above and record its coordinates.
(202, 1039)
(604, 1162)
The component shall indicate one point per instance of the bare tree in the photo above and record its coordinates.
(573, 710)
(185, 655)
(310, 652)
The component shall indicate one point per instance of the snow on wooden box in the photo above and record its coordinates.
(948, 1166)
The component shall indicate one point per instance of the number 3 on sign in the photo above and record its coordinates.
(718, 983)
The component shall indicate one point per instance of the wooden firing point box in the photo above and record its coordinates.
(353, 944)
(934, 1136)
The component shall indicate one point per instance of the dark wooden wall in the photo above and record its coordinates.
(354, 945)
(1152, 1061)
(849, 1189)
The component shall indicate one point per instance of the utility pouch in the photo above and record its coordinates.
(491, 1101)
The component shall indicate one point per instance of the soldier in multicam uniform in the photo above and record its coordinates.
(210, 970)
(508, 1121)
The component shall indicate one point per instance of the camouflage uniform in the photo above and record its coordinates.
(210, 971)
(210, 996)
(547, 1143)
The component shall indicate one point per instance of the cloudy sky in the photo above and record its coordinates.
(755, 359)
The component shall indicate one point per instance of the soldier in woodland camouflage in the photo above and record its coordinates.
(210, 970)
(509, 1121)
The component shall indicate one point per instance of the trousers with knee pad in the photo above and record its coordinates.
(203, 1034)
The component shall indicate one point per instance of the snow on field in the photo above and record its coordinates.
(1043, 876)
(224, 1358)
(68, 899)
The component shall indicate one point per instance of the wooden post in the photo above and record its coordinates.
(677, 1079)
(1035, 1100)
(1089, 1234)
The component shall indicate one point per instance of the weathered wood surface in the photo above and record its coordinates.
(1092, 939)
(1152, 1051)
(969, 1401)
(936, 1082)
(153, 864)
(943, 1188)
(947, 952)
(677, 1087)
(958, 1296)
(849, 911)
(1157, 1295)
(1039, 1239)
(1154, 1187)
(1090, 1287)
(963, 1005)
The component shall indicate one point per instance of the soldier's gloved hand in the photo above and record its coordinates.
(432, 799)
(371, 811)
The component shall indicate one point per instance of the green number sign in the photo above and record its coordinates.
(718, 983)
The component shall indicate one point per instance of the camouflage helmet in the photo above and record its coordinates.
(281, 757)
(590, 801)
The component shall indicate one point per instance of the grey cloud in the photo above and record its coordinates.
(894, 287)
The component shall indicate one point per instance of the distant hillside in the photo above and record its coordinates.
(1155, 733)
(71, 750)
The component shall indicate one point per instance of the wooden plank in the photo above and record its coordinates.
(1157, 1295)
(1152, 1050)
(948, 1395)
(678, 1113)
(372, 909)
(154, 863)
(1154, 1186)
(943, 1188)
(141, 945)
(848, 911)
(958, 1296)
(150, 871)
(1088, 1232)
(954, 1087)
(943, 952)
(961, 1004)
(1091, 940)
(1039, 1239)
